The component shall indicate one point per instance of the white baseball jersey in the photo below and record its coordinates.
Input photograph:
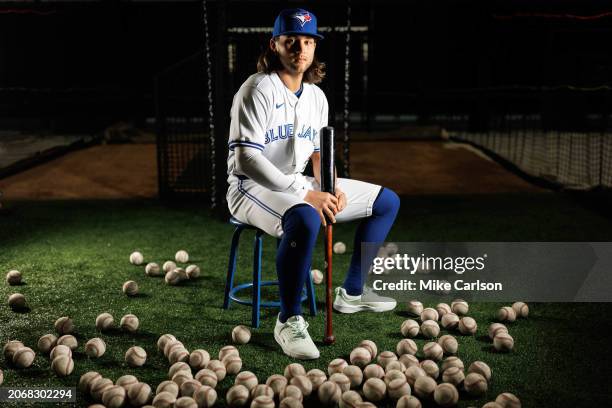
(267, 116)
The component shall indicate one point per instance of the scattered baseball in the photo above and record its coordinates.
(398, 388)
(69, 341)
(163, 339)
(317, 276)
(129, 323)
(329, 393)
(506, 314)
(13, 277)
(453, 375)
(304, 384)
(233, 364)
(354, 374)
(207, 377)
(126, 381)
(294, 369)
(46, 343)
(396, 365)
(59, 351)
(360, 356)
(218, 368)
(178, 354)
(193, 271)
(241, 334)
(350, 399)
(246, 378)
(198, 359)
(385, 358)
(237, 396)
(408, 360)
(262, 389)
(415, 307)
(520, 309)
(176, 367)
(23, 357)
(205, 396)
(135, 356)
(475, 384)
(339, 247)
(95, 347)
(136, 258)
(371, 346)
(503, 342)
(228, 350)
(480, 367)
(139, 394)
(278, 382)
(263, 401)
(168, 266)
(414, 372)
(408, 401)
(433, 351)
(342, 380)
(508, 400)
(393, 375)
(467, 326)
(443, 308)
(185, 402)
(431, 368)
(152, 269)
(173, 277)
(181, 377)
(17, 301)
(164, 399)
(99, 386)
(429, 314)
(449, 321)
(452, 362)
(460, 307)
(189, 387)
(62, 365)
(496, 328)
(430, 329)
(373, 371)
(169, 387)
(87, 380)
(406, 346)
(64, 325)
(446, 395)
(374, 389)
(104, 321)
(181, 256)
(336, 366)
(410, 328)
(424, 386)
(449, 344)
(10, 348)
(130, 288)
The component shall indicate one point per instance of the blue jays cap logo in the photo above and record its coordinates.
(303, 18)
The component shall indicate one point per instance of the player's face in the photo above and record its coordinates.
(295, 52)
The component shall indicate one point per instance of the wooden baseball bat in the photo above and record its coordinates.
(328, 183)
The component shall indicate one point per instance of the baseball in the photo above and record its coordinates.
(350, 399)
(171, 345)
(371, 346)
(104, 321)
(492, 405)
(23, 357)
(99, 386)
(452, 362)
(114, 397)
(59, 351)
(181, 273)
(126, 381)
(408, 401)
(453, 375)
(193, 271)
(173, 277)
(46, 343)
(449, 344)
(354, 374)
(168, 266)
(136, 258)
(475, 384)
(393, 375)
(135, 356)
(433, 351)
(410, 328)
(360, 356)
(237, 396)
(13, 277)
(185, 402)
(508, 400)
(233, 364)
(336, 366)
(129, 323)
(152, 269)
(342, 380)
(446, 395)
(406, 346)
(263, 401)
(373, 371)
(207, 377)
(443, 308)
(241, 334)
(262, 389)
(198, 359)
(95, 347)
(424, 386)
(317, 276)
(218, 368)
(503, 342)
(460, 307)
(178, 354)
(374, 389)
(316, 377)
(291, 391)
(430, 329)
(227, 351)
(496, 328)
(520, 309)
(431, 368)
(17, 301)
(169, 387)
(181, 256)
(130, 288)
(62, 365)
(414, 372)
(87, 379)
(189, 387)
(205, 396)
(467, 326)
(506, 314)
(385, 358)
(395, 365)
(449, 321)
(294, 369)
(246, 378)
(182, 376)
(68, 340)
(415, 307)
(398, 388)
(329, 393)
(480, 367)
(304, 384)
(139, 394)
(278, 382)
(164, 400)
(429, 314)
(176, 367)
(339, 247)
(408, 360)
(163, 339)
(10, 348)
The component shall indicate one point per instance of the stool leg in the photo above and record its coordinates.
(231, 267)
(310, 292)
(256, 279)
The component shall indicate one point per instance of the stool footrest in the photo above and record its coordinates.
(249, 302)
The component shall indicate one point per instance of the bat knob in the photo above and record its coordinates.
(331, 339)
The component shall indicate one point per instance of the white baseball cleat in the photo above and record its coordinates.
(294, 339)
(367, 301)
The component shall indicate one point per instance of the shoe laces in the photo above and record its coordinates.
(298, 327)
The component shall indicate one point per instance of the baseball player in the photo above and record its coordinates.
(276, 117)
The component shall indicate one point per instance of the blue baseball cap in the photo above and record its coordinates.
(296, 21)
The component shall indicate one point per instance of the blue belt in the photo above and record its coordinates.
(241, 177)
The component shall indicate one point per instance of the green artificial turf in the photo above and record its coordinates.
(74, 259)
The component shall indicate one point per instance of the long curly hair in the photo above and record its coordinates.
(269, 62)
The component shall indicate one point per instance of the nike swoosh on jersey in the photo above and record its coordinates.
(278, 105)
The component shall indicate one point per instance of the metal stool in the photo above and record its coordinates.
(231, 290)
